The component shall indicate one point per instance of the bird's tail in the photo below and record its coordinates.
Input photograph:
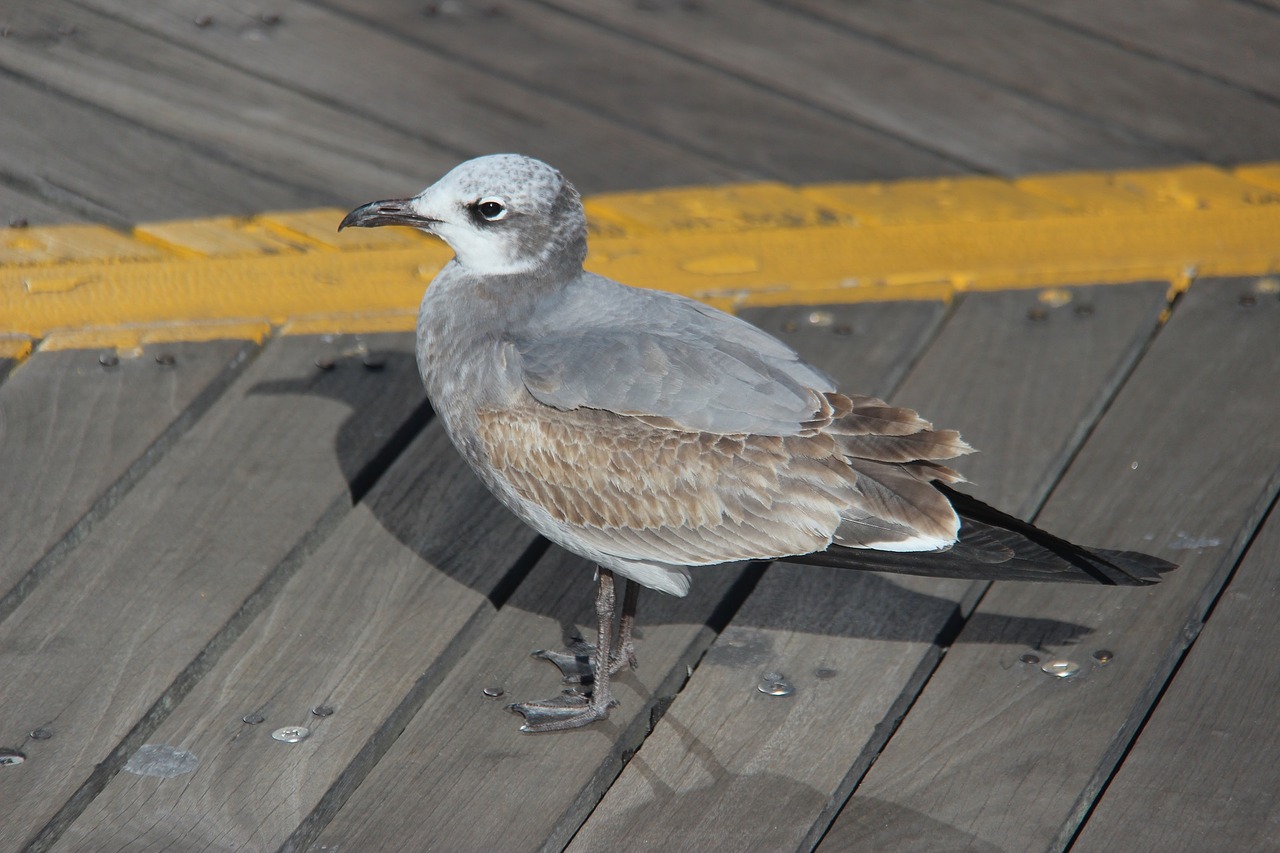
(994, 545)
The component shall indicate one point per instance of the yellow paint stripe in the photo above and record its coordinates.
(15, 347)
(132, 337)
(751, 244)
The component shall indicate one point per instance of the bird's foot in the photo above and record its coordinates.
(577, 662)
(570, 710)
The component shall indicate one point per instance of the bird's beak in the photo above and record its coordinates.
(396, 211)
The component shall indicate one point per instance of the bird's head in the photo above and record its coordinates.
(500, 214)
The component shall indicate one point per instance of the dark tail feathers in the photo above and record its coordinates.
(996, 546)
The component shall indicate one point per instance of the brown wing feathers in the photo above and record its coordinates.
(693, 498)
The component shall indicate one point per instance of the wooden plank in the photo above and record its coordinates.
(996, 752)
(1059, 65)
(1231, 41)
(641, 86)
(255, 123)
(19, 209)
(984, 126)
(1203, 773)
(119, 631)
(382, 79)
(508, 790)
(88, 161)
(78, 434)
(380, 604)
(857, 647)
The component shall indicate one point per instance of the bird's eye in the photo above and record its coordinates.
(491, 209)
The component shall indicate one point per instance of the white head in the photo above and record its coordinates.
(500, 214)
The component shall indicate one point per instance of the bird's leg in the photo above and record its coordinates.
(572, 709)
(578, 662)
(625, 654)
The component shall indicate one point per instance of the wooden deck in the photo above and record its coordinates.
(250, 598)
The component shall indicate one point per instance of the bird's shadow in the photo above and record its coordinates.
(397, 462)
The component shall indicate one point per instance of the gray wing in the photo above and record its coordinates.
(651, 354)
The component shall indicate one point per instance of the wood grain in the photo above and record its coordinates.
(119, 631)
(857, 648)
(382, 79)
(652, 90)
(996, 750)
(1058, 65)
(87, 161)
(255, 123)
(75, 435)
(1233, 41)
(361, 626)
(1203, 774)
(982, 126)
(508, 790)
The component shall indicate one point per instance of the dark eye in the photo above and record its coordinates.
(490, 209)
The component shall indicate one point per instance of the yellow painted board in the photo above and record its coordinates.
(742, 207)
(57, 244)
(1138, 191)
(220, 237)
(1262, 174)
(320, 226)
(15, 346)
(133, 336)
(272, 288)
(943, 200)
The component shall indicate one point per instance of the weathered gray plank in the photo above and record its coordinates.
(76, 435)
(354, 629)
(384, 79)
(1226, 39)
(1203, 774)
(858, 647)
(253, 122)
(984, 126)
(18, 209)
(997, 752)
(119, 631)
(1057, 64)
(507, 790)
(88, 161)
(641, 86)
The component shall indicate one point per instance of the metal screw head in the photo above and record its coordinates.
(1061, 668)
(1103, 656)
(108, 359)
(790, 326)
(1037, 314)
(11, 758)
(291, 734)
(1248, 300)
(373, 362)
(493, 692)
(1030, 658)
(166, 359)
(253, 719)
(40, 734)
(1084, 309)
(820, 318)
(775, 684)
(324, 363)
(322, 711)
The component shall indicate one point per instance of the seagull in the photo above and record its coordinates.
(653, 434)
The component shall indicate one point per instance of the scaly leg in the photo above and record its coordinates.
(571, 710)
